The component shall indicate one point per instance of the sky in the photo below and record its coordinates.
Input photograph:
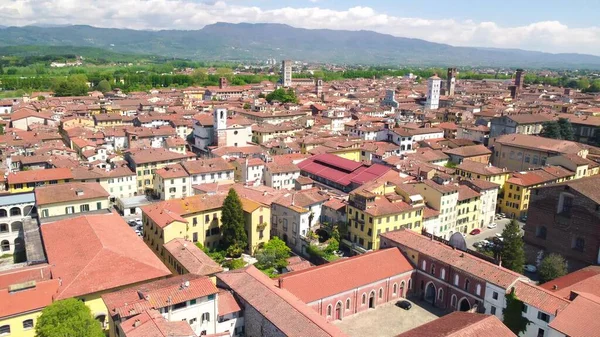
(557, 26)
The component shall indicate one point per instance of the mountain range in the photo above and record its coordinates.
(253, 42)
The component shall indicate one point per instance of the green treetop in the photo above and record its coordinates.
(69, 317)
(552, 266)
(283, 96)
(512, 253)
(273, 255)
(233, 224)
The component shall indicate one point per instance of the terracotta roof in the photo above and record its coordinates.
(100, 253)
(34, 176)
(479, 168)
(540, 143)
(151, 155)
(285, 311)
(580, 318)
(207, 165)
(323, 281)
(586, 186)
(158, 294)
(539, 297)
(76, 192)
(171, 171)
(151, 323)
(461, 324)
(165, 212)
(192, 258)
(227, 303)
(585, 280)
(28, 299)
(460, 260)
(465, 193)
(469, 151)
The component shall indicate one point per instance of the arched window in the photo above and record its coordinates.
(15, 211)
(364, 299)
(348, 304)
(424, 265)
(101, 318)
(467, 283)
(440, 294)
(16, 226)
(432, 269)
(453, 301)
(5, 246)
(478, 289)
(402, 288)
(455, 280)
(28, 324)
(443, 273)
(3, 213)
(380, 292)
(3, 227)
(410, 284)
(329, 310)
(395, 289)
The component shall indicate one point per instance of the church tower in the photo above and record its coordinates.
(219, 126)
(319, 87)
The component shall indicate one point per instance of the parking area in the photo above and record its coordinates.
(489, 232)
(387, 320)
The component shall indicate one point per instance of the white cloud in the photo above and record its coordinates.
(551, 36)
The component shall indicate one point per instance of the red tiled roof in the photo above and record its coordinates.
(29, 299)
(152, 324)
(34, 176)
(323, 281)
(580, 318)
(99, 253)
(76, 192)
(158, 294)
(227, 303)
(460, 260)
(461, 324)
(539, 297)
(585, 280)
(285, 311)
(192, 258)
(345, 174)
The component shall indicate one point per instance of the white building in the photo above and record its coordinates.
(286, 73)
(13, 208)
(223, 131)
(281, 176)
(488, 198)
(434, 84)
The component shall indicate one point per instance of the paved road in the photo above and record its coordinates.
(486, 233)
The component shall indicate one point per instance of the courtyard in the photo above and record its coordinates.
(388, 320)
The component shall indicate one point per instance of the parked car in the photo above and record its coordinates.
(406, 305)
(530, 268)
(492, 225)
(132, 223)
(523, 218)
(139, 232)
(475, 231)
(138, 221)
(485, 243)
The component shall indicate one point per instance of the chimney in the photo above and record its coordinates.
(555, 287)
(280, 282)
(136, 323)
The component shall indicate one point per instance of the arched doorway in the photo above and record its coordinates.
(430, 293)
(372, 299)
(464, 305)
(4, 246)
(338, 311)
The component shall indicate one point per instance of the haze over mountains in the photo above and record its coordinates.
(225, 41)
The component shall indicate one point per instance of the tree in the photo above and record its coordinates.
(233, 225)
(552, 266)
(512, 252)
(513, 317)
(551, 130)
(283, 96)
(273, 255)
(103, 86)
(566, 129)
(74, 85)
(69, 317)
(583, 83)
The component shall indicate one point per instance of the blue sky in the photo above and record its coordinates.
(556, 26)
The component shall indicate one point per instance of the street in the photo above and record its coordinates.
(486, 232)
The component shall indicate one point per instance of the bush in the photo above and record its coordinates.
(69, 317)
(234, 264)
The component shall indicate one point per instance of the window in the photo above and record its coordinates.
(69, 210)
(467, 283)
(453, 301)
(524, 308)
(195, 237)
(495, 295)
(84, 208)
(380, 292)
(394, 288)
(192, 302)
(578, 243)
(98, 205)
(566, 202)
(455, 280)
(440, 294)
(5, 246)
(348, 304)
(540, 332)
(478, 290)
(28, 324)
(493, 310)
(541, 232)
(206, 317)
(364, 299)
(543, 317)
(424, 265)
(329, 310)
(5, 330)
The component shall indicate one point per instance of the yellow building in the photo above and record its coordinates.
(198, 219)
(467, 209)
(266, 132)
(70, 198)
(27, 181)
(96, 254)
(258, 223)
(145, 161)
(469, 169)
(378, 209)
(582, 167)
(513, 199)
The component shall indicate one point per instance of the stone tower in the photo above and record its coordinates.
(319, 87)
(286, 73)
(219, 126)
(434, 84)
(451, 82)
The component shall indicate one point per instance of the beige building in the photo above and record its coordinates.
(145, 161)
(119, 183)
(520, 152)
(70, 198)
(441, 195)
(467, 209)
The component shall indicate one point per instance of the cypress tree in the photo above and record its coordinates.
(232, 223)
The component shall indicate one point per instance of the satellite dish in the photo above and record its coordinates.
(458, 241)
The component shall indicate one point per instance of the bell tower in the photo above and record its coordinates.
(219, 126)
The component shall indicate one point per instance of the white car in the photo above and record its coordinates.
(492, 225)
(530, 268)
